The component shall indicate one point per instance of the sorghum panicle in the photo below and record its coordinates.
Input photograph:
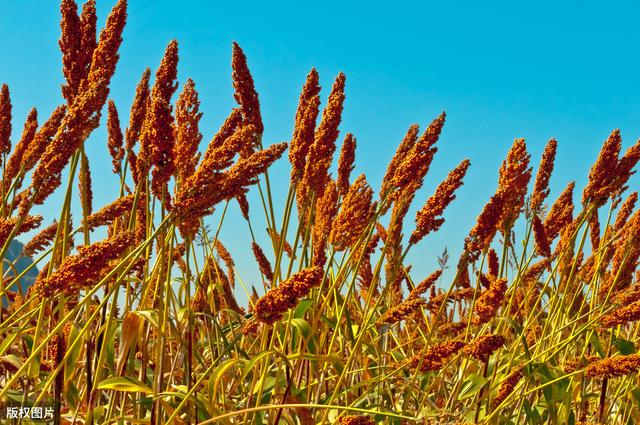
(541, 184)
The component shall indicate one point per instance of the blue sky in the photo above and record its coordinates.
(499, 69)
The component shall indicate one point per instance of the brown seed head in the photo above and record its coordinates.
(200, 302)
(212, 274)
(533, 272)
(272, 306)
(565, 249)
(250, 328)
(429, 218)
(414, 166)
(540, 237)
(114, 137)
(83, 270)
(105, 55)
(626, 254)
(354, 216)
(227, 143)
(401, 311)
(628, 296)
(279, 241)
(204, 190)
(243, 203)
(88, 42)
(43, 137)
(493, 262)
(70, 47)
(483, 346)
(624, 170)
(424, 286)
(406, 145)
(77, 43)
(107, 214)
(84, 184)
(486, 227)
(625, 314)
(365, 271)
(436, 300)
(245, 92)
(485, 280)
(345, 164)
(56, 349)
(355, 420)
(515, 174)
(138, 110)
(187, 133)
(561, 213)
(594, 231)
(541, 185)
(451, 329)
(603, 171)
(157, 139)
(507, 386)
(305, 125)
(41, 240)
(436, 356)
(612, 367)
(5, 120)
(226, 258)
(326, 210)
(489, 302)
(463, 276)
(84, 113)
(16, 159)
(263, 262)
(625, 211)
(7, 225)
(394, 271)
(320, 156)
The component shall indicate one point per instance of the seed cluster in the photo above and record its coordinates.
(146, 287)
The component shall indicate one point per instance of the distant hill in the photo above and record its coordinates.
(13, 253)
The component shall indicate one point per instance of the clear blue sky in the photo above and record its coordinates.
(499, 69)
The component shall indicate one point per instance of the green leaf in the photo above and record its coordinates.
(6, 342)
(146, 402)
(72, 355)
(124, 383)
(302, 326)
(515, 325)
(219, 371)
(73, 395)
(636, 394)
(302, 308)
(150, 316)
(330, 322)
(249, 365)
(472, 385)
(12, 360)
(596, 343)
(533, 416)
(624, 347)
(267, 383)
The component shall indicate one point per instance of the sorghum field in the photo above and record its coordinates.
(144, 326)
